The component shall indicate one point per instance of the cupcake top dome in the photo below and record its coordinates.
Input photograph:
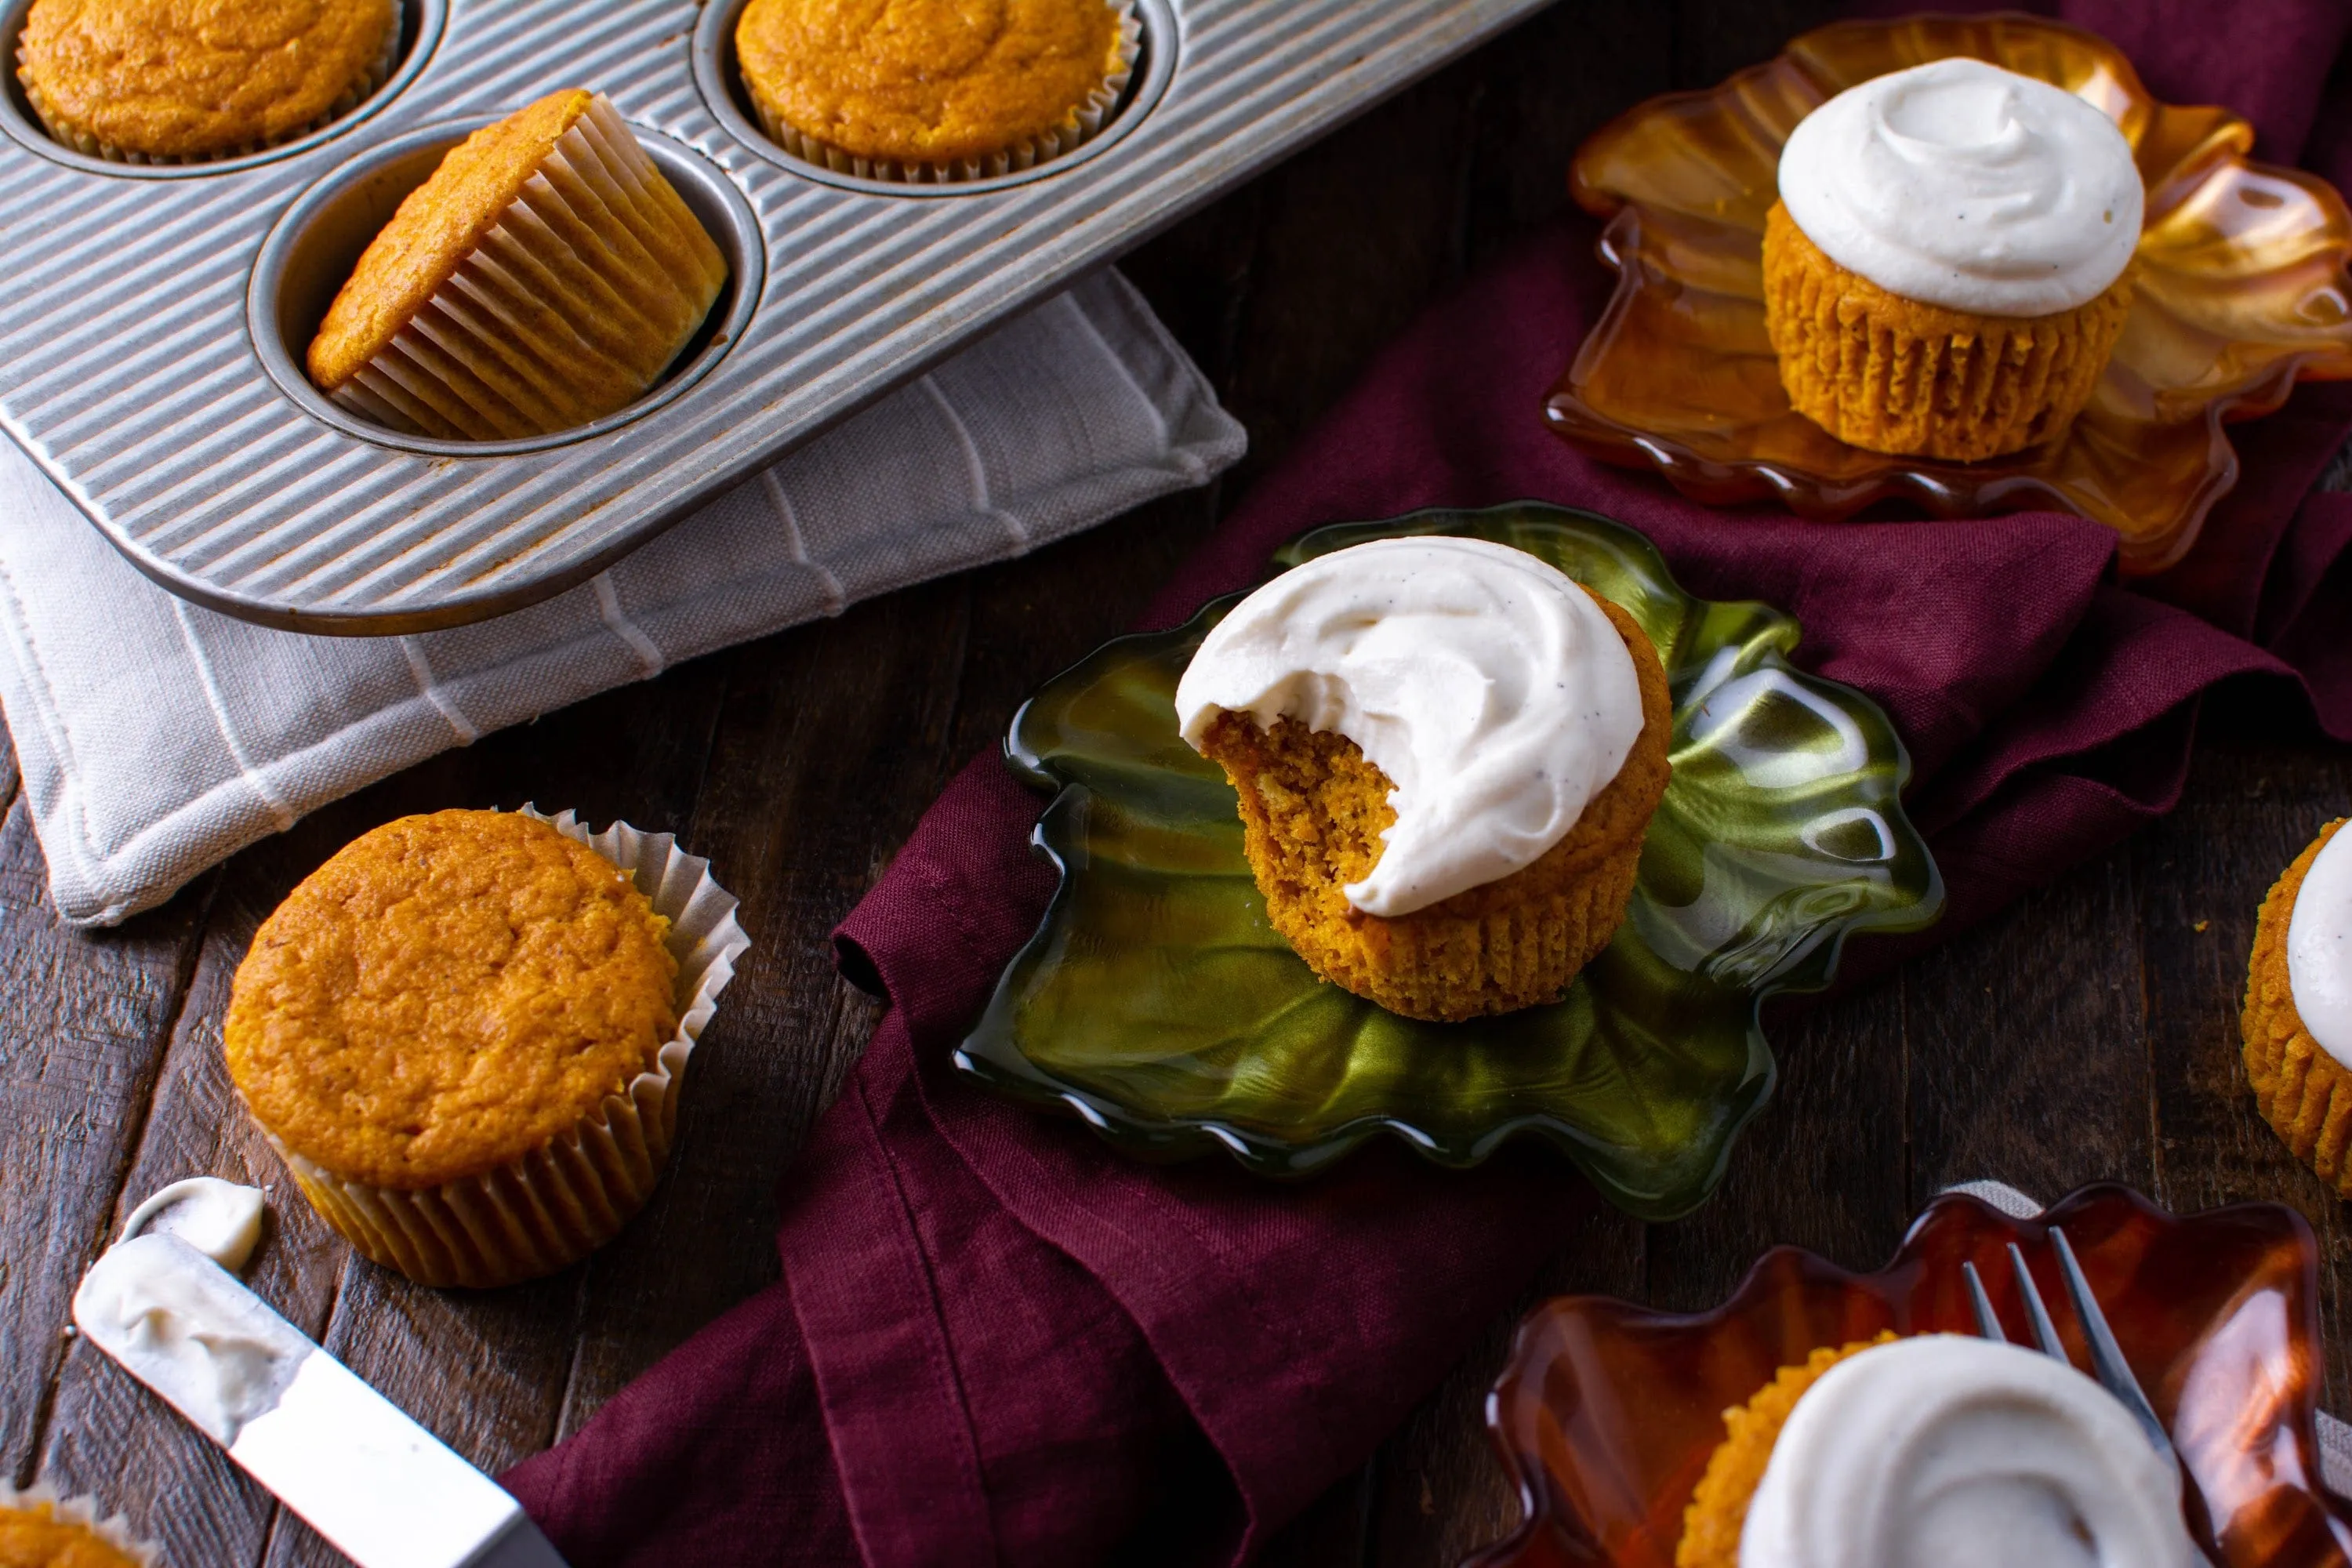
(1490, 688)
(445, 994)
(191, 78)
(927, 81)
(2319, 949)
(1962, 185)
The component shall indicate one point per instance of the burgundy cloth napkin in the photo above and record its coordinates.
(995, 1341)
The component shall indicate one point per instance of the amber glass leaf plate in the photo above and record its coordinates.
(1608, 1412)
(2242, 291)
(1156, 1001)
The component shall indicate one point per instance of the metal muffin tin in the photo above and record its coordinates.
(152, 317)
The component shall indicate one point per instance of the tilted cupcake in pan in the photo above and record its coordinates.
(930, 91)
(192, 81)
(544, 277)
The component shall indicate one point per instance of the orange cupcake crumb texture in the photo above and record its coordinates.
(448, 994)
(1718, 1506)
(2302, 1092)
(1313, 808)
(33, 1536)
(1890, 375)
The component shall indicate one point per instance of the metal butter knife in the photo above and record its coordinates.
(386, 1492)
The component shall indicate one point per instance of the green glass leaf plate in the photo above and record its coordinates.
(1157, 1003)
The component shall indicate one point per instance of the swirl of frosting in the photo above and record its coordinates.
(1949, 1452)
(1961, 185)
(1491, 690)
(2319, 949)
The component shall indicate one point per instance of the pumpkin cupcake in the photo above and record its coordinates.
(1446, 755)
(39, 1529)
(544, 277)
(1894, 1449)
(2297, 1023)
(189, 81)
(1949, 263)
(931, 91)
(465, 1034)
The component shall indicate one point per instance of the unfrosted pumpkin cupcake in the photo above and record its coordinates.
(2297, 1022)
(463, 1033)
(933, 90)
(186, 81)
(544, 277)
(1446, 753)
(1935, 1449)
(41, 1530)
(1948, 265)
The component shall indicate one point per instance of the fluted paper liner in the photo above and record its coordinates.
(570, 309)
(556, 1205)
(114, 1529)
(1089, 118)
(366, 87)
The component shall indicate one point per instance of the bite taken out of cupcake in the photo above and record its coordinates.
(1446, 753)
(1949, 262)
(2297, 1023)
(1939, 1448)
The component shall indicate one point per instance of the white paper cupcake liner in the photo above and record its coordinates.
(115, 1530)
(90, 146)
(1092, 115)
(570, 309)
(554, 1206)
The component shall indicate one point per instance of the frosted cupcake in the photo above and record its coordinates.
(544, 277)
(2297, 1023)
(1446, 753)
(934, 90)
(1939, 1448)
(1949, 263)
(465, 1033)
(177, 82)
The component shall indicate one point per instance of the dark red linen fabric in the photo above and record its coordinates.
(995, 1341)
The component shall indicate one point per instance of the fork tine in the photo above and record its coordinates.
(2114, 1372)
(1987, 1325)
(2045, 1332)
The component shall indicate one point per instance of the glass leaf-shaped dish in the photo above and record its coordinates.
(1158, 1002)
(1608, 1412)
(2242, 291)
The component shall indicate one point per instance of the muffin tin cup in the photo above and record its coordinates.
(1100, 110)
(114, 1529)
(540, 330)
(548, 1209)
(90, 146)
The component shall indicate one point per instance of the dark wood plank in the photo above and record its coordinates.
(84, 1021)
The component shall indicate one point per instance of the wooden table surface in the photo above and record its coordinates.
(2089, 1033)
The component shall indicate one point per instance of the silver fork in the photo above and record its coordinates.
(2107, 1361)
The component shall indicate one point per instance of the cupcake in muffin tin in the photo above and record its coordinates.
(930, 91)
(193, 81)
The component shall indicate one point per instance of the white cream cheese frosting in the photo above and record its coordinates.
(1490, 688)
(220, 1219)
(1950, 1452)
(2319, 949)
(1962, 185)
